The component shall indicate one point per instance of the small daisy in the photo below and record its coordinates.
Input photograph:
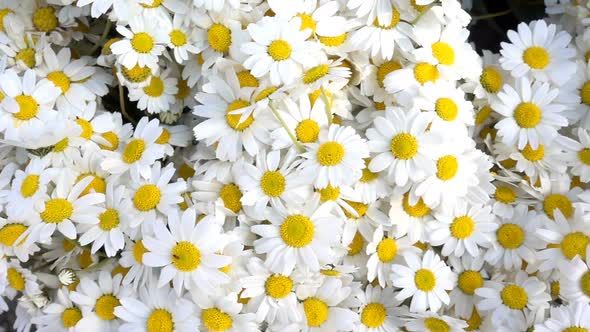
(142, 45)
(337, 157)
(379, 311)
(132, 259)
(223, 313)
(187, 252)
(220, 35)
(304, 237)
(574, 279)
(61, 315)
(157, 96)
(470, 277)
(574, 316)
(431, 322)
(410, 217)
(580, 156)
(181, 39)
(425, 280)
(447, 106)
(17, 238)
(371, 186)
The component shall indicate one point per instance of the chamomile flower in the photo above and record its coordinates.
(432, 322)
(378, 310)
(187, 252)
(573, 316)
(410, 217)
(132, 259)
(470, 276)
(580, 156)
(425, 280)
(60, 315)
(17, 238)
(181, 39)
(574, 279)
(447, 105)
(157, 96)
(224, 314)
(220, 36)
(142, 45)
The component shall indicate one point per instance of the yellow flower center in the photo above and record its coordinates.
(446, 109)
(514, 297)
(97, 184)
(330, 273)
(56, 210)
(68, 245)
(133, 150)
(462, 227)
(142, 42)
(527, 115)
(384, 69)
(307, 22)
(278, 286)
(9, 233)
(436, 325)
(185, 171)
(574, 244)
(368, 176)
(469, 281)
(15, 279)
(105, 307)
(307, 131)
(491, 80)
(108, 220)
(85, 259)
(483, 115)
(333, 41)
(531, 154)
(316, 311)
(155, 4)
(425, 72)
(387, 250)
(233, 120)
(30, 185)
(86, 127)
(60, 80)
(425, 280)
(265, 93)
(584, 156)
(404, 146)
(558, 201)
(136, 74)
(297, 231)
(554, 289)
(28, 107)
(585, 93)
(536, 57)
(70, 317)
(315, 73)
(584, 283)
(373, 315)
(112, 138)
(359, 208)
(446, 167)
(27, 56)
(3, 13)
(138, 251)
(510, 236)
(444, 53)
(247, 80)
(44, 19)
(219, 37)
(279, 50)
(147, 197)
(330, 153)
(155, 88)
(329, 193)
(474, 322)
(160, 320)
(505, 195)
(185, 256)
(164, 137)
(216, 320)
(417, 211)
(395, 18)
(231, 195)
(183, 89)
(575, 329)
(272, 183)
(356, 246)
(177, 38)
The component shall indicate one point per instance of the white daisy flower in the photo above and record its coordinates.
(181, 39)
(470, 277)
(573, 316)
(336, 158)
(410, 217)
(132, 259)
(157, 96)
(61, 315)
(223, 313)
(371, 186)
(187, 252)
(574, 279)
(219, 36)
(432, 322)
(425, 280)
(17, 237)
(447, 106)
(142, 45)
(378, 310)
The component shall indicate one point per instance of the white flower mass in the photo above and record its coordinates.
(292, 165)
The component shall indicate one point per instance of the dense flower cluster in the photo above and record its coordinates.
(301, 165)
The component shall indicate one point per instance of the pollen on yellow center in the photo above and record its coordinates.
(136, 74)
(373, 315)
(469, 281)
(60, 80)
(97, 184)
(510, 236)
(307, 131)
(527, 115)
(160, 320)
(231, 195)
(155, 88)
(316, 311)
(315, 73)
(9, 233)
(385, 69)
(27, 107)
(27, 56)
(109, 219)
(147, 197)
(133, 150)
(425, 72)
(142, 42)
(531, 154)
(30, 185)
(536, 57)
(444, 53)
(279, 50)
(505, 194)
(185, 256)
(272, 183)
(219, 37)
(387, 250)
(56, 210)
(70, 317)
(395, 18)
(514, 297)
(105, 306)
(247, 80)
(574, 244)
(404, 146)
(462, 227)
(216, 320)
(558, 201)
(419, 210)
(434, 324)
(330, 153)
(15, 279)
(446, 109)
(425, 280)
(177, 38)
(446, 167)
(138, 250)
(297, 231)
(491, 80)
(44, 19)
(233, 120)
(278, 286)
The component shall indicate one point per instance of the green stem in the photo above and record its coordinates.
(105, 33)
(492, 15)
(328, 107)
(122, 104)
(277, 115)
